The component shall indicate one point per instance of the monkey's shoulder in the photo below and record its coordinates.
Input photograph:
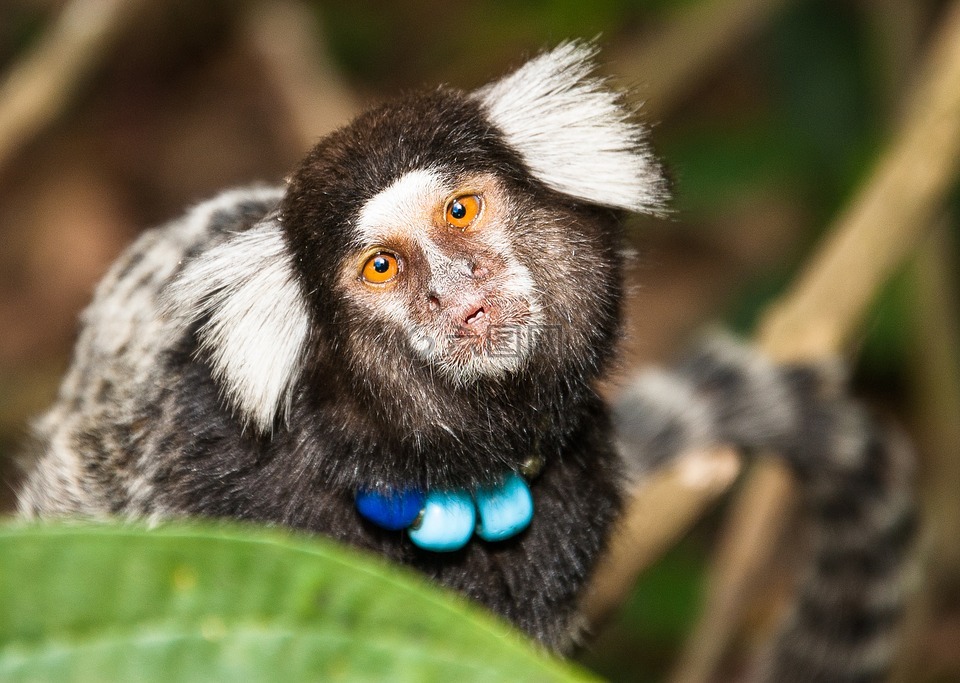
(160, 253)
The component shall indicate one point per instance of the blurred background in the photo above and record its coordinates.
(769, 115)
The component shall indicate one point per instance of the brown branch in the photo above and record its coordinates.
(868, 243)
(935, 366)
(38, 88)
(285, 36)
(935, 375)
(671, 62)
(660, 504)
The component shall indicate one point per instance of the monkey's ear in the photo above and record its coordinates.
(575, 134)
(256, 321)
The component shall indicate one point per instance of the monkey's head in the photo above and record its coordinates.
(446, 242)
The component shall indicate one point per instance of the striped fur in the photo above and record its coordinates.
(856, 484)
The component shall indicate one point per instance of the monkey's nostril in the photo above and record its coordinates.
(434, 302)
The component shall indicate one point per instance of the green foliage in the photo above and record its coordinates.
(717, 166)
(391, 44)
(194, 603)
(826, 90)
(19, 28)
(666, 600)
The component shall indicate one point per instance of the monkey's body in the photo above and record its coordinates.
(278, 351)
(136, 382)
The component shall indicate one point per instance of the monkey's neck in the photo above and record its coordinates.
(432, 436)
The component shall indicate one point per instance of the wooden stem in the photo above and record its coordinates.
(869, 241)
(816, 317)
(38, 88)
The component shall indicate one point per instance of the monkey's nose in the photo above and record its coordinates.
(464, 307)
(479, 271)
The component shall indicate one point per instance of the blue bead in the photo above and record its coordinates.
(393, 510)
(504, 510)
(448, 521)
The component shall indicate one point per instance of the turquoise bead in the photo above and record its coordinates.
(504, 510)
(447, 523)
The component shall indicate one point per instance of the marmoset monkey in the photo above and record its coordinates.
(398, 348)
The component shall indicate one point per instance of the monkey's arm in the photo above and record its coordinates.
(724, 392)
(855, 482)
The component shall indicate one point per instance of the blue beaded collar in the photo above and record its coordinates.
(444, 521)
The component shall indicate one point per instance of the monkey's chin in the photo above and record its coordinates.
(470, 355)
(488, 348)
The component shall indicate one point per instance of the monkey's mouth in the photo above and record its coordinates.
(492, 336)
(488, 337)
(478, 316)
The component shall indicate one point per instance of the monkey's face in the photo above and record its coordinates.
(435, 262)
(445, 238)
(423, 243)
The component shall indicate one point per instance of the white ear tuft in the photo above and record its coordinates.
(257, 319)
(575, 133)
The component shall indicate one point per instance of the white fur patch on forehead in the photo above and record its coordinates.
(575, 134)
(257, 319)
(405, 205)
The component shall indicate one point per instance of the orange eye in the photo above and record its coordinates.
(463, 210)
(380, 268)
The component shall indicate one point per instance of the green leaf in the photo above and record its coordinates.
(195, 603)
